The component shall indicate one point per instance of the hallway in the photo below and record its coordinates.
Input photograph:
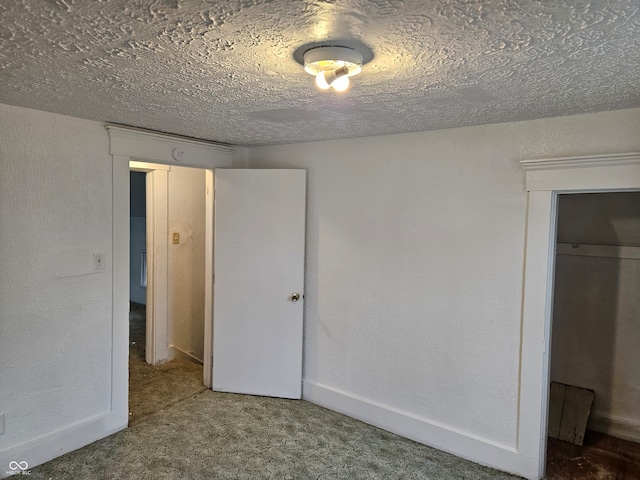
(153, 388)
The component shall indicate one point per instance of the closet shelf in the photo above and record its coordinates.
(608, 251)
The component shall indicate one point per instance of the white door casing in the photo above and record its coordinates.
(545, 180)
(208, 277)
(259, 265)
(156, 181)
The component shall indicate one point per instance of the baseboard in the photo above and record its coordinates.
(177, 352)
(615, 425)
(47, 447)
(422, 430)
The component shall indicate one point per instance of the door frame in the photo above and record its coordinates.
(126, 145)
(157, 247)
(546, 179)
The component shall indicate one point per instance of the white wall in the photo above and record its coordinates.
(137, 234)
(595, 322)
(414, 274)
(186, 262)
(55, 314)
(240, 158)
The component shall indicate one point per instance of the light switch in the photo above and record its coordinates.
(176, 238)
(98, 260)
(1, 423)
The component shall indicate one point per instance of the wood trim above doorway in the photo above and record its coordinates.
(613, 159)
(613, 172)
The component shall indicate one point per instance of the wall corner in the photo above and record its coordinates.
(240, 158)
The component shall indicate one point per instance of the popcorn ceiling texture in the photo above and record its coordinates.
(225, 71)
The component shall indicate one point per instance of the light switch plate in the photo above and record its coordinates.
(1, 423)
(176, 238)
(98, 260)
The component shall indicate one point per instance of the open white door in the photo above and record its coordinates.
(258, 282)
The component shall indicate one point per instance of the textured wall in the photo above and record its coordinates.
(55, 321)
(415, 249)
(596, 311)
(186, 260)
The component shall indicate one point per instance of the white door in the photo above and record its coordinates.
(259, 228)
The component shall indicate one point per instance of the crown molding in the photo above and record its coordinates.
(606, 160)
(143, 145)
(141, 133)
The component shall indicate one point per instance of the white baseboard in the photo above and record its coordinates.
(615, 425)
(177, 352)
(422, 430)
(47, 447)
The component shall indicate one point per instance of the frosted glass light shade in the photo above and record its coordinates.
(332, 66)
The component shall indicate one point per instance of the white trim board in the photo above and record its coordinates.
(603, 172)
(591, 161)
(545, 180)
(163, 148)
(157, 247)
(419, 429)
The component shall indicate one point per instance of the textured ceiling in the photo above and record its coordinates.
(226, 71)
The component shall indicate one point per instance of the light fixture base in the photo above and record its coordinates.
(322, 59)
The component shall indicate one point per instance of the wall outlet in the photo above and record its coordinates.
(98, 260)
(1, 423)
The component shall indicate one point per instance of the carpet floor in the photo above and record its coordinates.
(155, 387)
(215, 435)
(180, 430)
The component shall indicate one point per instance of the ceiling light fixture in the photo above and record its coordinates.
(332, 66)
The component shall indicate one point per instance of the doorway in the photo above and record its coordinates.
(545, 180)
(283, 223)
(595, 333)
(166, 348)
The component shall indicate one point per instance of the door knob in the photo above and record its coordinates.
(295, 297)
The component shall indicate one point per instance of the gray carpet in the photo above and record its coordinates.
(226, 436)
(180, 430)
(155, 387)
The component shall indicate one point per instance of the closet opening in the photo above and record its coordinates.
(595, 338)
